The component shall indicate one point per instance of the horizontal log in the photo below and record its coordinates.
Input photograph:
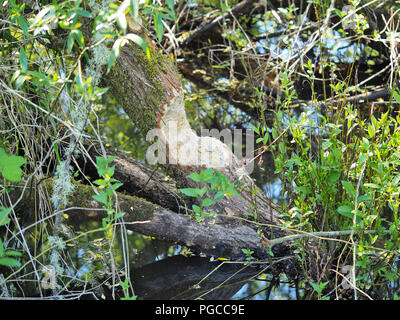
(152, 220)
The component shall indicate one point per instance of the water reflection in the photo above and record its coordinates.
(284, 47)
(164, 270)
(182, 278)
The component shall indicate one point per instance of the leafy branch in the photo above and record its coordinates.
(108, 186)
(10, 169)
(216, 188)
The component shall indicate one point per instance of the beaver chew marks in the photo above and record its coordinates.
(185, 147)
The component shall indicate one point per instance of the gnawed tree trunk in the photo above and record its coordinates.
(151, 93)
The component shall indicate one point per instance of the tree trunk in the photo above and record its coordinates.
(154, 207)
(151, 94)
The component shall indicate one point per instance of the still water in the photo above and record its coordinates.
(162, 270)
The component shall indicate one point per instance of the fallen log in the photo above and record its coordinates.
(154, 201)
(153, 220)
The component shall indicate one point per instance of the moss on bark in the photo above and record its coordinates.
(138, 82)
(137, 209)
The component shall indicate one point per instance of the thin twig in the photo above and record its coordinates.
(319, 234)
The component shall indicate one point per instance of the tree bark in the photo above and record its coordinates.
(149, 90)
(151, 219)
(162, 212)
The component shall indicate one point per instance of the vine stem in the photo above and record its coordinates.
(325, 234)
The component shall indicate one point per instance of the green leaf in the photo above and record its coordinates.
(158, 24)
(101, 197)
(129, 298)
(13, 4)
(134, 8)
(23, 24)
(41, 14)
(23, 60)
(247, 251)
(121, 20)
(110, 159)
(396, 96)
(207, 202)
(115, 186)
(318, 287)
(100, 182)
(371, 131)
(333, 177)
(9, 262)
(105, 221)
(326, 144)
(348, 186)
(20, 80)
(114, 53)
(207, 175)
(166, 16)
(4, 212)
(265, 139)
(197, 209)
(202, 191)
(372, 185)
(219, 195)
(70, 42)
(1, 248)
(190, 192)
(345, 211)
(396, 180)
(195, 177)
(256, 130)
(235, 193)
(138, 40)
(84, 13)
(170, 4)
(15, 75)
(10, 166)
(79, 37)
(303, 189)
(110, 171)
(364, 197)
(340, 14)
(363, 157)
(119, 214)
(102, 165)
(384, 117)
(12, 173)
(75, 35)
(12, 253)
(108, 192)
